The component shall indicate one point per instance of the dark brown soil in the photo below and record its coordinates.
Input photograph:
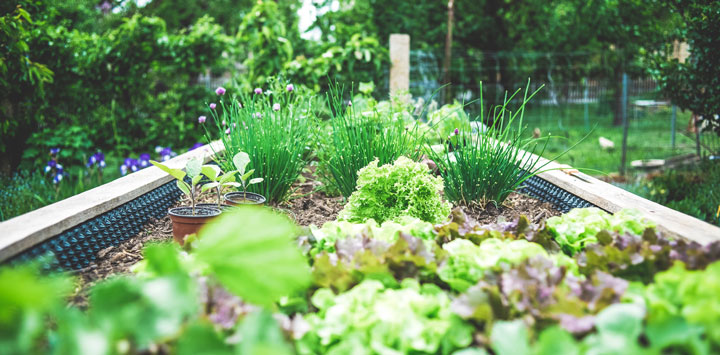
(308, 205)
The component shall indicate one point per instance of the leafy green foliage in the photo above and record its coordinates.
(193, 169)
(579, 227)
(235, 256)
(358, 137)
(415, 318)
(487, 167)
(276, 141)
(447, 119)
(387, 192)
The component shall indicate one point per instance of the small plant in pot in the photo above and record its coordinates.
(218, 180)
(188, 220)
(241, 161)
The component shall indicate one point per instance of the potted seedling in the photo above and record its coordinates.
(241, 161)
(187, 220)
(218, 180)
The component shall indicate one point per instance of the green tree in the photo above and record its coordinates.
(695, 83)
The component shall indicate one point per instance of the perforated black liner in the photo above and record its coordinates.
(77, 247)
(560, 199)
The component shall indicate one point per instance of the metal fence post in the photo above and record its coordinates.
(625, 122)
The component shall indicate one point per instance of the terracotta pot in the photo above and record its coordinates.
(243, 198)
(185, 223)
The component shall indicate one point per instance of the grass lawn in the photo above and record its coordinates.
(649, 135)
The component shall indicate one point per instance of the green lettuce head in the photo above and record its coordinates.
(390, 191)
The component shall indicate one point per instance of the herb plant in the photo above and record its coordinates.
(484, 168)
(277, 140)
(241, 161)
(357, 138)
(390, 191)
(193, 170)
(218, 180)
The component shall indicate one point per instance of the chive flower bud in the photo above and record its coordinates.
(202, 119)
(257, 115)
(258, 91)
(213, 106)
(227, 131)
(220, 91)
(290, 88)
(456, 131)
(276, 107)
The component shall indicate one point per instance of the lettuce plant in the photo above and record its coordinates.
(370, 318)
(387, 192)
(193, 169)
(579, 227)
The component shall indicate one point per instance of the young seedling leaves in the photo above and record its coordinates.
(241, 160)
(176, 173)
(211, 171)
(193, 167)
(251, 252)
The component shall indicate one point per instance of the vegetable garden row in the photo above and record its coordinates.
(403, 269)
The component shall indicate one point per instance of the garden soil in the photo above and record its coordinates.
(308, 206)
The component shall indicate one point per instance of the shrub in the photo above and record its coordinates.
(357, 138)
(274, 129)
(387, 192)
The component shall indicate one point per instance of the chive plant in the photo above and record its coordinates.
(486, 167)
(357, 138)
(273, 128)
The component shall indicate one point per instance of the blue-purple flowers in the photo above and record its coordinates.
(54, 151)
(220, 91)
(129, 165)
(165, 153)
(144, 160)
(196, 146)
(97, 159)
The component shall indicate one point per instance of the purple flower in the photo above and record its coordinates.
(456, 131)
(96, 159)
(202, 119)
(129, 164)
(196, 146)
(144, 160)
(258, 91)
(220, 90)
(349, 103)
(276, 107)
(50, 165)
(257, 115)
(239, 104)
(213, 106)
(57, 178)
(227, 131)
(290, 88)
(224, 123)
(166, 154)
(54, 151)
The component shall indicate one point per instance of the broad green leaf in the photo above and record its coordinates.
(211, 171)
(247, 175)
(252, 253)
(162, 259)
(261, 335)
(255, 181)
(232, 183)
(555, 340)
(193, 167)
(176, 173)
(201, 338)
(510, 338)
(621, 318)
(241, 160)
(208, 186)
(676, 331)
(184, 187)
(229, 176)
(196, 179)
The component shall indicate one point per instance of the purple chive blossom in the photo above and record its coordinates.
(239, 104)
(196, 146)
(227, 131)
(257, 115)
(224, 123)
(234, 125)
(276, 107)
(290, 88)
(349, 103)
(258, 91)
(213, 106)
(456, 131)
(202, 119)
(220, 91)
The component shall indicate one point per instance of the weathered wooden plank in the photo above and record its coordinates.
(29, 229)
